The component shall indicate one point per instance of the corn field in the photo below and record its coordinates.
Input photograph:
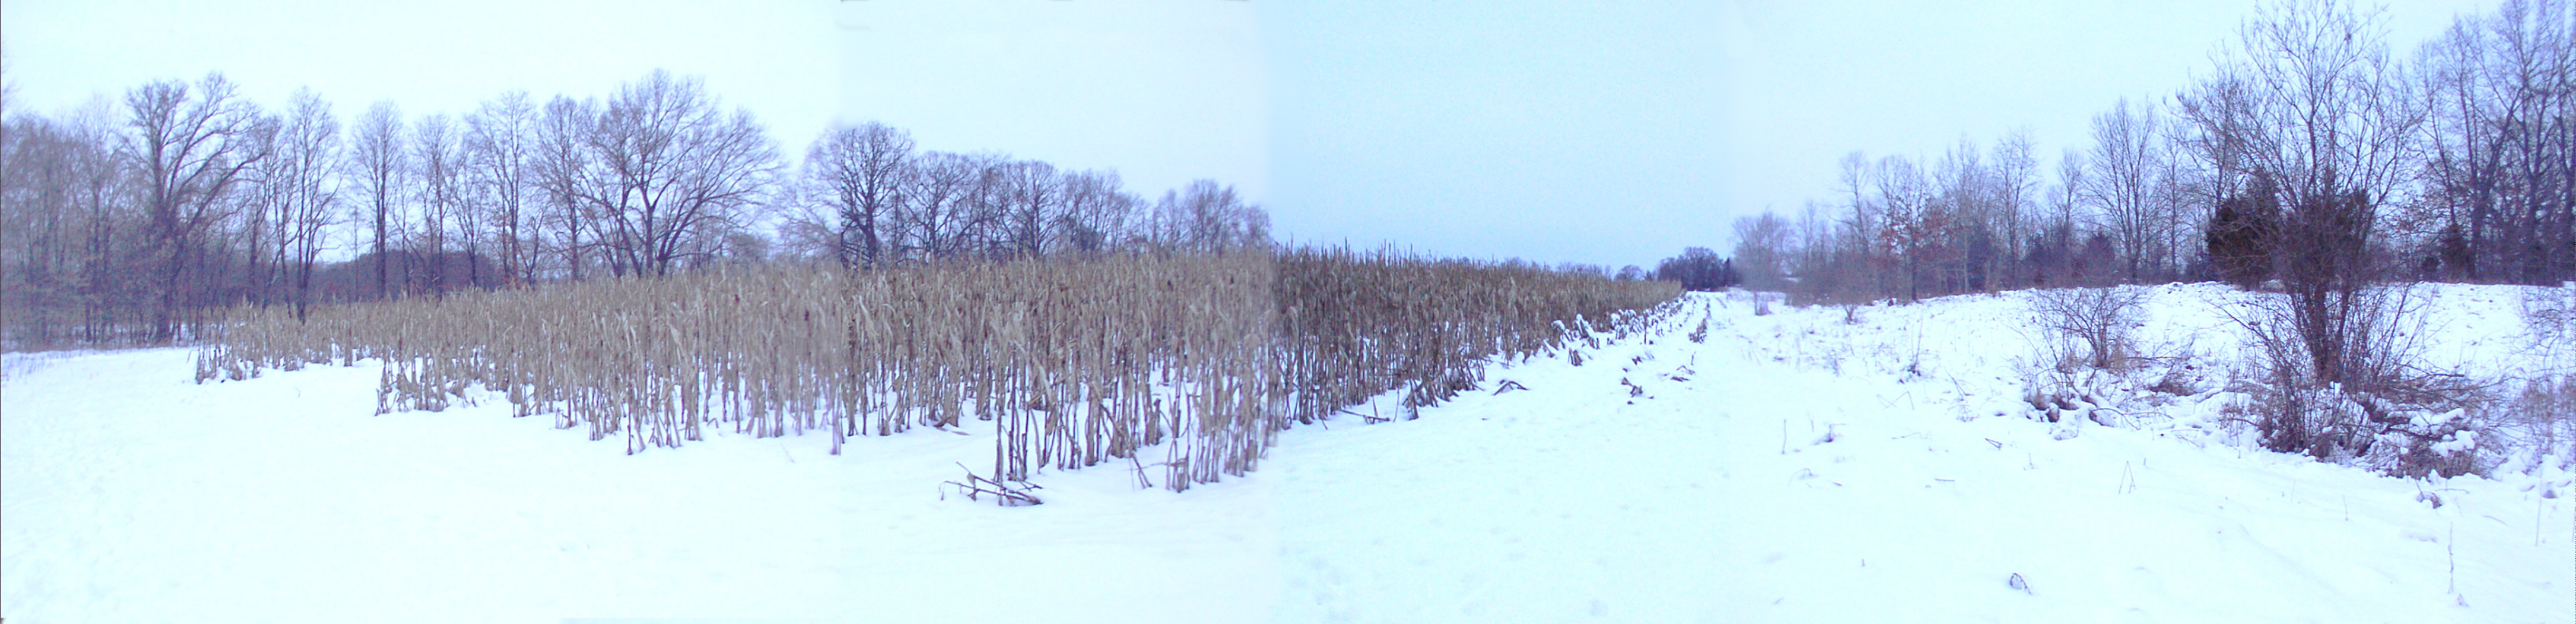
(1074, 361)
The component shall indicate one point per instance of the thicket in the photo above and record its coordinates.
(1075, 361)
(2089, 327)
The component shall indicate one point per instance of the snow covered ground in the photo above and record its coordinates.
(1790, 467)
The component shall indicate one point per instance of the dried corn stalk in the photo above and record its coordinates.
(1075, 361)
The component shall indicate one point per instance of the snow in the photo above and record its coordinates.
(1792, 467)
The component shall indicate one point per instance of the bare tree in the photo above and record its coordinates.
(437, 168)
(104, 198)
(1844, 258)
(1904, 211)
(1963, 241)
(2121, 185)
(380, 167)
(190, 149)
(1032, 195)
(2066, 212)
(2313, 100)
(987, 206)
(1762, 250)
(260, 201)
(2499, 185)
(1206, 216)
(2016, 191)
(569, 176)
(683, 171)
(69, 250)
(308, 152)
(860, 172)
(1824, 267)
(500, 145)
(40, 233)
(939, 205)
(870, 199)
(1098, 211)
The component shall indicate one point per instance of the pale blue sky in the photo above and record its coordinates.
(1551, 131)
(1611, 132)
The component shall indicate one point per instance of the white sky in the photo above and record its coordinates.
(1612, 132)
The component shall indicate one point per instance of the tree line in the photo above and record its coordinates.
(2310, 146)
(138, 221)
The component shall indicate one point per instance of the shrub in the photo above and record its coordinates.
(2368, 400)
(2089, 327)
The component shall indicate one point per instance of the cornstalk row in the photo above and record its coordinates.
(1075, 362)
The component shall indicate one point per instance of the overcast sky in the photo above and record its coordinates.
(1612, 132)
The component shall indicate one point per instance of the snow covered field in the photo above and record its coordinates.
(1790, 467)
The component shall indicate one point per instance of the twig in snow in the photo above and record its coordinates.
(1007, 495)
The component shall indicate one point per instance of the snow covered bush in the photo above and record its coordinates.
(2089, 366)
(2340, 376)
(2393, 438)
(2089, 327)
(2096, 362)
